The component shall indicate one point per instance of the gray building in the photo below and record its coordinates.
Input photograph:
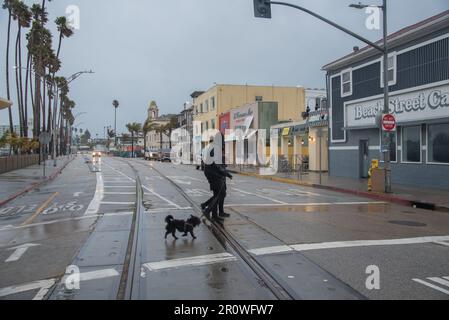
(418, 72)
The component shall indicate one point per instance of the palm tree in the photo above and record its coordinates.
(169, 127)
(39, 44)
(7, 5)
(133, 128)
(161, 130)
(64, 31)
(147, 127)
(115, 103)
(21, 13)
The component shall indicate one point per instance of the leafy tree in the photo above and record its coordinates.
(85, 137)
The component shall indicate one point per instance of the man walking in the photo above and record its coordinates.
(216, 175)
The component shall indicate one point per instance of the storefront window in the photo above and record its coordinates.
(438, 148)
(411, 144)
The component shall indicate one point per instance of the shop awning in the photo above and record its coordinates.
(5, 103)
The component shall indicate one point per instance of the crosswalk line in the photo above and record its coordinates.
(433, 286)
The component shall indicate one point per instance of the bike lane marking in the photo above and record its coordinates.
(40, 209)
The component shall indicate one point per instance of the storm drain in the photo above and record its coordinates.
(408, 223)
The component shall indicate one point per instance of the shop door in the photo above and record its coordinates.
(364, 158)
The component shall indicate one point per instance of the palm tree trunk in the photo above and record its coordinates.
(59, 45)
(132, 144)
(19, 102)
(160, 142)
(22, 103)
(26, 93)
(8, 93)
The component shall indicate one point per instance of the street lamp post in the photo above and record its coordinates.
(262, 9)
(70, 79)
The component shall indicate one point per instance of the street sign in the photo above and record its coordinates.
(388, 123)
(44, 138)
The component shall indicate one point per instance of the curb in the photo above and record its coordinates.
(366, 194)
(35, 185)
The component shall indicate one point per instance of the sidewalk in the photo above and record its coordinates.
(426, 198)
(18, 182)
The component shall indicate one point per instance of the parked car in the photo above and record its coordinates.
(152, 155)
(165, 156)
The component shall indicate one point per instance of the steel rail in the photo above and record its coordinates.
(129, 288)
(280, 291)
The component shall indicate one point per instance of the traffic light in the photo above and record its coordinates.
(262, 9)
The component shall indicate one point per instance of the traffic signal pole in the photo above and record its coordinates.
(262, 9)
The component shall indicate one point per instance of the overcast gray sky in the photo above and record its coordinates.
(163, 50)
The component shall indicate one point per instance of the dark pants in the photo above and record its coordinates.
(216, 202)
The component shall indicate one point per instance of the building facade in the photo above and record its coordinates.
(210, 105)
(156, 139)
(418, 74)
(241, 127)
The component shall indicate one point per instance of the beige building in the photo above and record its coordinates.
(221, 98)
(154, 137)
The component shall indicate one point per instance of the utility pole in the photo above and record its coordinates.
(386, 100)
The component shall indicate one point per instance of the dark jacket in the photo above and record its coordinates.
(216, 173)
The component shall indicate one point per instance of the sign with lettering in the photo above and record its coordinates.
(245, 117)
(388, 122)
(426, 104)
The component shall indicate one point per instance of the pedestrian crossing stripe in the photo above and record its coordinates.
(444, 281)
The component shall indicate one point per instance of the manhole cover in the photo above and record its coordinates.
(409, 223)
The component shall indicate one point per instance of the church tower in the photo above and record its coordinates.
(153, 111)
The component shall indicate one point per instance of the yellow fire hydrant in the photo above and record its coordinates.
(374, 166)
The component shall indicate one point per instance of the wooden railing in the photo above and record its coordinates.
(17, 162)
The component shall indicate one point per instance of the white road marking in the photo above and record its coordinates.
(117, 203)
(148, 189)
(167, 209)
(9, 227)
(301, 204)
(98, 274)
(259, 196)
(94, 205)
(442, 243)
(106, 187)
(123, 193)
(19, 251)
(161, 197)
(346, 244)
(367, 243)
(270, 250)
(430, 285)
(440, 281)
(190, 261)
(42, 285)
(77, 194)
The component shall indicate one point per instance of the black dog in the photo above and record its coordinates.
(181, 225)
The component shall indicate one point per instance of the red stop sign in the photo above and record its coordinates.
(389, 122)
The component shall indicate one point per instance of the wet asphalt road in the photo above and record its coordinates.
(316, 243)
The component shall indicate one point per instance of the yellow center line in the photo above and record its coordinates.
(41, 208)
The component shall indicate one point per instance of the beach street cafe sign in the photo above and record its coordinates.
(418, 105)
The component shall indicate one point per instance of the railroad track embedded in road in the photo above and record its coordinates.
(280, 290)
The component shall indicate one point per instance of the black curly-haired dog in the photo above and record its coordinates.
(185, 226)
